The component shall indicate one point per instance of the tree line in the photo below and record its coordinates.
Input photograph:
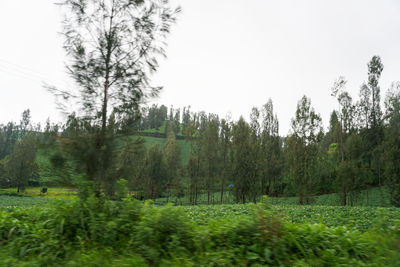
(360, 149)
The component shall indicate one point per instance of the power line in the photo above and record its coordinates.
(25, 72)
(20, 74)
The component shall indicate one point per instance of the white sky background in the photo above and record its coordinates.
(223, 55)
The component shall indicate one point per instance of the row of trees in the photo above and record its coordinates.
(114, 48)
(359, 150)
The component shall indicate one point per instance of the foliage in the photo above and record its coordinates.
(113, 48)
(392, 143)
(302, 148)
(20, 165)
(126, 233)
(243, 163)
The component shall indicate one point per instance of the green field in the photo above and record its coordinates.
(57, 229)
(360, 218)
(373, 197)
(356, 218)
(127, 233)
(10, 202)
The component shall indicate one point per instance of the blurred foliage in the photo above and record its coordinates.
(101, 232)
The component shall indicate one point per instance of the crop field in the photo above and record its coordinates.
(129, 233)
(357, 218)
(8, 202)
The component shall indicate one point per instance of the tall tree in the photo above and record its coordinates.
(9, 134)
(302, 148)
(172, 156)
(375, 68)
(271, 155)
(243, 164)
(25, 123)
(155, 172)
(224, 150)
(193, 165)
(364, 107)
(131, 163)
(20, 165)
(392, 143)
(113, 47)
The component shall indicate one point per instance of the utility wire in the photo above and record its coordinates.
(19, 70)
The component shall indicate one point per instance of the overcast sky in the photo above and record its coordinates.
(223, 55)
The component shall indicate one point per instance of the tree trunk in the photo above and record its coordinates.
(222, 190)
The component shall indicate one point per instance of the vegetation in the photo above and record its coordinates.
(113, 48)
(127, 232)
(219, 157)
(88, 192)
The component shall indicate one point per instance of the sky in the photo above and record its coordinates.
(223, 56)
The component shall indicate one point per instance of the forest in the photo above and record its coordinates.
(122, 182)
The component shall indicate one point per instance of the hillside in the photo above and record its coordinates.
(46, 172)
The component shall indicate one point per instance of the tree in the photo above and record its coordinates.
(224, 151)
(243, 164)
(4, 181)
(114, 46)
(302, 148)
(20, 165)
(392, 143)
(345, 111)
(9, 135)
(193, 164)
(131, 163)
(172, 156)
(351, 170)
(25, 124)
(155, 172)
(212, 155)
(270, 150)
(364, 106)
(375, 68)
